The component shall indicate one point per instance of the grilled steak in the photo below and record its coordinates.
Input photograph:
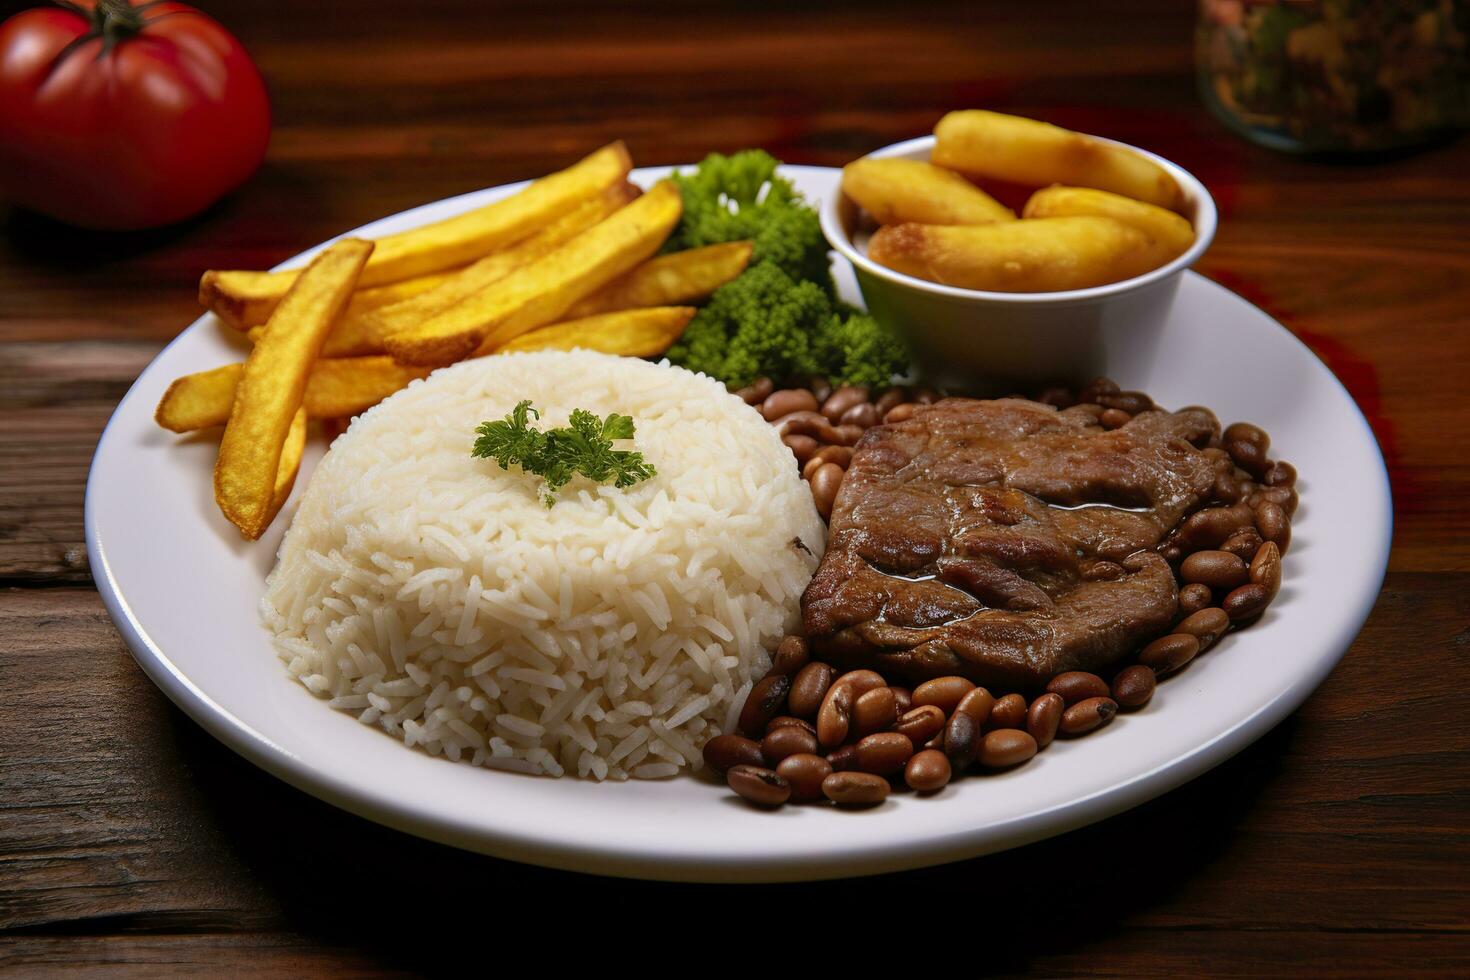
(1005, 541)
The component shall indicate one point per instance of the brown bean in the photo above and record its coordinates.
(1248, 456)
(874, 712)
(920, 724)
(723, 752)
(825, 483)
(1112, 418)
(1193, 598)
(1205, 625)
(780, 720)
(848, 435)
(960, 736)
(1266, 568)
(843, 759)
(884, 753)
(841, 455)
(1242, 544)
(1057, 396)
(834, 717)
(1246, 602)
(927, 771)
(1217, 569)
(893, 396)
(1077, 685)
(801, 447)
(786, 401)
(863, 415)
(1280, 474)
(787, 740)
(1131, 402)
(1274, 525)
(1284, 497)
(901, 412)
(792, 654)
(903, 700)
(925, 396)
(1171, 553)
(1097, 387)
(1168, 653)
(809, 688)
(1227, 489)
(765, 702)
(977, 704)
(757, 391)
(1245, 432)
(1043, 717)
(855, 788)
(811, 466)
(844, 398)
(805, 773)
(809, 424)
(1006, 747)
(944, 693)
(1085, 716)
(760, 786)
(1210, 527)
(1134, 686)
(1009, 712)
(821, 388)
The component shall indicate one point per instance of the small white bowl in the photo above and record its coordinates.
(986, 342)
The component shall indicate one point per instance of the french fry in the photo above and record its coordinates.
(290, 464)
(1025, 151)
(1028, 256)
(272, 385)
(245, 299)
(631, 333)
(337, 388)
(365, 334)
(539, 293)
(454, 241)
(1172, 232)
(679, 277)
(895, 191)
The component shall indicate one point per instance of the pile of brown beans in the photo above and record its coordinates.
(820, 424)
(809, 734)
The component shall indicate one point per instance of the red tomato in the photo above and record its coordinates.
(120, 117)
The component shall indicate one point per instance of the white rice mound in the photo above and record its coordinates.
(435, 596)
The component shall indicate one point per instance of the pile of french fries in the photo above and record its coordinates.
(566, 262)
(1103, 213)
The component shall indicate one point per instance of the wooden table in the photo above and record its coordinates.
(1338, 842)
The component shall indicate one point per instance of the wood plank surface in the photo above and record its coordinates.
(130, 841)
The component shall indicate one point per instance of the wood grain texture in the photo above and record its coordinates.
(130, 841)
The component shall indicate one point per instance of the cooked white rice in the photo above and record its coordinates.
(433, 594)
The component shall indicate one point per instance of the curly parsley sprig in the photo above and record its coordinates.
(584, 445)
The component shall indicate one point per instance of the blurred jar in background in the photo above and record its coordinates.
(1330, 76)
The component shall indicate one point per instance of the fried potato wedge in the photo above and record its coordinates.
(365, 334)
(273, 381)
(897, 191)
(679, 277)
(290, 464)
(540, 292)
(454, 241)
(1026, 151)
(339, 387)
(244, 300)
(1032, 255)
(1172, 232)
(632, 333)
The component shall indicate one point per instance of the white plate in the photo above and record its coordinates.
(182, 588)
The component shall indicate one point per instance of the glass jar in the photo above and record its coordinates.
(1331, 76)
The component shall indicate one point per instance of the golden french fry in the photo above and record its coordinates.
(365, 334)
(290, 463)
(539, 293)
(679, 277)
(244, 300)
(1171, 231)
(631, 333)
(895, 191)
(273, 384)
(337, 388)
(1032, 255)
(1026, 151)
(461, 239)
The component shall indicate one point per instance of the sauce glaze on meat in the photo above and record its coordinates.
(1005, 541)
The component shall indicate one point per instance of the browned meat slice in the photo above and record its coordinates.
(1005, 541)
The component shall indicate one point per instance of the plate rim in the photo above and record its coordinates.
(674, 865)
